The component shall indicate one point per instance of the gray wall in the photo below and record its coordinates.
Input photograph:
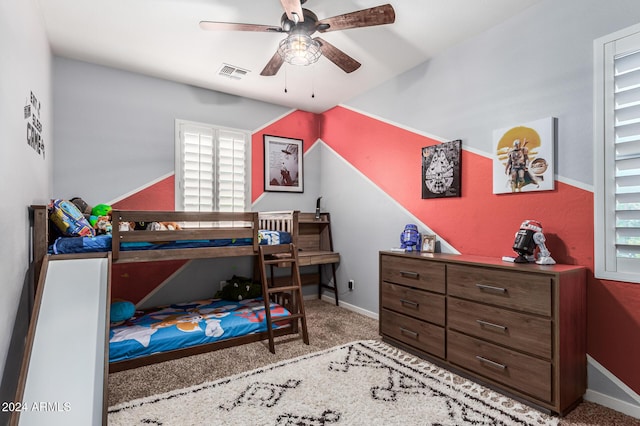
(110, 120)
(25, 174)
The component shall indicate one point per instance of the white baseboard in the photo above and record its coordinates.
(613, 403)
(608, 401)
(351, 307)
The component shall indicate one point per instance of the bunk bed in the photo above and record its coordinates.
(57, 284)
(217, 234)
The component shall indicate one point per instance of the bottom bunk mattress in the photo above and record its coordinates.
(188, 324)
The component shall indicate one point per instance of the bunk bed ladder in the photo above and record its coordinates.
(285, 292)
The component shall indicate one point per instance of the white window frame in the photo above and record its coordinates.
(607, 264)
(215, 130)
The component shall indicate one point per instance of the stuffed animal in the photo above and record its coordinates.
(126, 226)
(103, 225)
(239, 288)
(82, 205)
(121, 311)
(163, 226)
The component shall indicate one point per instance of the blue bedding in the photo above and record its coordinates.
(102, 243)
(189, 324)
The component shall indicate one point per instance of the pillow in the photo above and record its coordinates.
(121, 310)
(69, 220)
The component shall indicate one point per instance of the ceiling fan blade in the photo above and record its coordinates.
(291, 7)
(337, 56)
(232, 26)
(273, 66)
(378, 15)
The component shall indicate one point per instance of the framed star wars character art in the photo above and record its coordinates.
(283, 164)
(441, 170)
(523, 157)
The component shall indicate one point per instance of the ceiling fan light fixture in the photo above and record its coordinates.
(299, 49)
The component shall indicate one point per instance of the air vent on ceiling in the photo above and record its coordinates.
(232, 71)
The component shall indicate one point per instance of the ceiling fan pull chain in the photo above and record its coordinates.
(285, 79)
(313, 83)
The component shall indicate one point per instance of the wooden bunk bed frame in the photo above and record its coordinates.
(228, 226)
(231, 225)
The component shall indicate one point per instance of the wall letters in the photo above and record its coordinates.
(34, 126)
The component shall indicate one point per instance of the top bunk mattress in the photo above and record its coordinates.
(102, 243)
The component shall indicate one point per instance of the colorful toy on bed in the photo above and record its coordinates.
(69, 220)
(121, 310)
(163, 226)
(239, 288)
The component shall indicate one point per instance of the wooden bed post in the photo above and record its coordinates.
(39, 240)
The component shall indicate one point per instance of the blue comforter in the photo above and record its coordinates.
(188, 324)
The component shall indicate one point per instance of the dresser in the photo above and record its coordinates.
(517, 328)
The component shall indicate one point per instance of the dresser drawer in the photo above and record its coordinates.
(413, 273)
(515, 290)
(416, 303)
(516, 330)
(421, 335)
(529, 375)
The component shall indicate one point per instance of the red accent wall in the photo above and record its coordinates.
(133, 281)
(298, 125)
(482, 223)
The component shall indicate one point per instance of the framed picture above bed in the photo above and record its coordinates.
(283, 168)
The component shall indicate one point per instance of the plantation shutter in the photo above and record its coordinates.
(232, 175)
(212, 168)
(617, 156)
(627, 154)
(197, 166)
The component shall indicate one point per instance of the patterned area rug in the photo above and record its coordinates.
(361, 383)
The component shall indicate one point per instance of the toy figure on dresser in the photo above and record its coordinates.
(527, 239)
(410, 238)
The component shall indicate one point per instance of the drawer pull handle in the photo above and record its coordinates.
(491, 288)
(409, 302)
(409, 274)
(491, 363)
(490, 324)
(409, 332)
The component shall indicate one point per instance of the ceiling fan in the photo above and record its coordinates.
(299, 48)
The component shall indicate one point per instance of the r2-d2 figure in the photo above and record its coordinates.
(527, 239)
(410, 238)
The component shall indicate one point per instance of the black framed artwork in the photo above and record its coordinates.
(283, 171)
(441, 170)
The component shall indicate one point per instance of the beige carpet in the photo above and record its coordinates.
(363, 383)
(329, 326)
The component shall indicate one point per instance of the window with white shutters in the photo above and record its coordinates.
(617, 156)
(212, 168)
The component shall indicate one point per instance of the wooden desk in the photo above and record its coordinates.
(315, 248)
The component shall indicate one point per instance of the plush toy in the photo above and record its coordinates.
(163, 226)
(101, 210)
(410, 238)
(82, 205)
(121, 310)
(103, 225)
(239, 288)
(127, 226)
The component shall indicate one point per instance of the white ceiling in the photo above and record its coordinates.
(162, 38)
